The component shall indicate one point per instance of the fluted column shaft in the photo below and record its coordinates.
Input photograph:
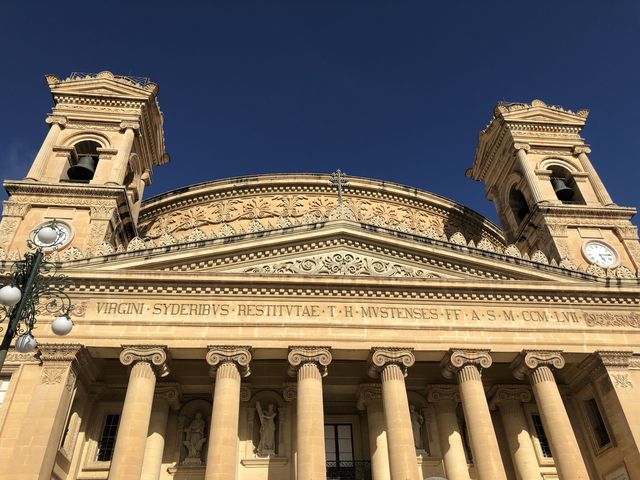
(562, 440)
(121, 160)
(528, 173)
(598, 186)
(128, 453)
(445, 399)
(152, 463)
(36, 172)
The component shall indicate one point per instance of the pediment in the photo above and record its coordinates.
(544, 114)
(338, 248)
(100, 87)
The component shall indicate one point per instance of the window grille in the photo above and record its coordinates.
(108, 438)
(542, 436)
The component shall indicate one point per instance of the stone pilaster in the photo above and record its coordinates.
(508, 399)
(370, 399)
(167, 396)
(121, 160)
(537, 365)
(446, 399)
(228, 365)
(145, 362)
(57, 122)
(466, 366)
(391, 364)
(309, 365)
(36, 446)
(527, 172)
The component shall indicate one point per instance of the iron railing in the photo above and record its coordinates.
(349, 470)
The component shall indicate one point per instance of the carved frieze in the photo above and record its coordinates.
(530, 360)
(380, 357)
(156, 355)
(443, 393)
(456, 359)
(238, 355)
(299, 355)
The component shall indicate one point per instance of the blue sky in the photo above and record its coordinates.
(395, 90)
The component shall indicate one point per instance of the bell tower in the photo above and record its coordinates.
(536, 170)
(105, 136)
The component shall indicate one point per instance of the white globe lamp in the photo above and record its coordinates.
(26, 343)
(47, 236)
(61, 325)
(10, 295)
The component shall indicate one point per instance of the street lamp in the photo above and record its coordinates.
(33, 278)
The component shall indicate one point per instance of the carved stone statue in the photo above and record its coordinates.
(194, 440)
(416, 424)
(266, 446)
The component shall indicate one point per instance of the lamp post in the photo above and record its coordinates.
(32, 279)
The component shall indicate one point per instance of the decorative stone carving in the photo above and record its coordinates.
(455, 360)
(539, 257)
(156, 355)
(238, 355)
(624, 272)
(299, 355)
(368, 392)
(501, 393)
(266, 445)
(380, 357)
(71, 253)
(289, 391)
(245, 392)
(458, 239)
(440, 393)
(52, 375)
(169, 392)
(596, 270)
(485, 244)
(194, 440)
(105, 248)
(417, 422)
(136, 243)
(342, 263)
(59, 353)
(165, 239)
(529, 360)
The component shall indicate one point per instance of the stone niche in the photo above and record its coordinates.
(191, 442)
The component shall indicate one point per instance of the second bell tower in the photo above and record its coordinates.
(537, 172)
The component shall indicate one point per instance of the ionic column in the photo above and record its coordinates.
(309, 364)
(121, 161)
(167, 396)
(446, 399)
(390, 364)
(508, 399)
(146, 362)
(528, 172)
(537, 366)
(228, 365)
(465, 365)
(370, 398)
(598, 187)
(37, 169)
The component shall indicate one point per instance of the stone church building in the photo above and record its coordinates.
(312, 327)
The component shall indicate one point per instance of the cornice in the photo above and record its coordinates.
(66, 190)
(299, 355)
(381, 357)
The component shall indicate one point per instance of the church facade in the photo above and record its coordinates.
(312, 327)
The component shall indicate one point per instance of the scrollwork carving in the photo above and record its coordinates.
(380, 357)
(443, 393)
(368, 392)
(502, 393)
(169, 392)
(457, 359)
(239, 355)
(530, 360)
(299, 355)
(156, 355)
(59, 352)
(289, 391)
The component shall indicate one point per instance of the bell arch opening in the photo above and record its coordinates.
(564, 185)
(518, 204)
(83, 161)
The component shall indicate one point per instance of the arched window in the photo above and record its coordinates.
(83, 162)
(518, 205)
(564, 185)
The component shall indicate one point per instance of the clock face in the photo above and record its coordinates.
(600, 254)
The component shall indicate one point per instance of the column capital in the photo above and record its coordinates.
(578, 149)
(299, 355)
(443, 393)
(380, 357)
(456, 359)
(521, 146)
(615, 359)
(57, 119)
(125, 124)
(239, 355)
(59, 353)
(245, 392)
(169, 392)
(156, 355)
(503, 393)
(367, 393)
(530, 360)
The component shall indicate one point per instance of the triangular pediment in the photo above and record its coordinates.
(100, 87)
(337, 248)
(544, 114)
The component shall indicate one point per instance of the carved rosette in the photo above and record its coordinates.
(239, 355)
(367, 393)
(529, 360)
(456, 359)
(169, 392)
(443, 393)
(156, 355)
(504, 393)
(298, 356)
(381, 357)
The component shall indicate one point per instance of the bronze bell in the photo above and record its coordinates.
(83, 170)
(563, 192)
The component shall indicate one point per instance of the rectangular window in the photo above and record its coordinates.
(108, 438)
(600, 433)
(542, 436)
(4, 386)
(338, 444)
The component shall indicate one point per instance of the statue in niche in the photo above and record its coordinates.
(194, 440)
(267, 446)
(416, 425)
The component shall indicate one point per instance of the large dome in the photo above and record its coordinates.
(257, 203)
